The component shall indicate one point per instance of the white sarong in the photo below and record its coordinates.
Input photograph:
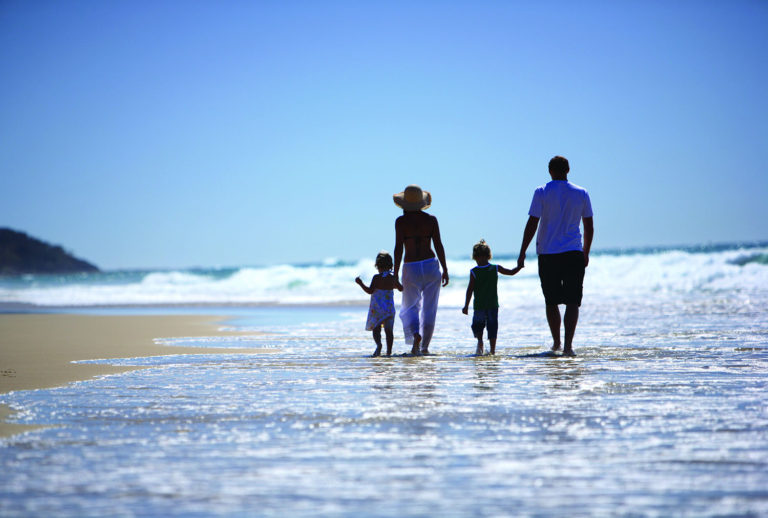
(421, 290)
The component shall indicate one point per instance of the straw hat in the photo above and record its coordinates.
(413, 198)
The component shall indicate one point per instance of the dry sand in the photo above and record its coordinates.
(37, 350)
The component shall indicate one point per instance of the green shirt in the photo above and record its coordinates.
(486, 277)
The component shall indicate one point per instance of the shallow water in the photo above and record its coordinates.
(664, 414)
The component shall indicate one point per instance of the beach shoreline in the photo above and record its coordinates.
(38, 350)
(11, 308)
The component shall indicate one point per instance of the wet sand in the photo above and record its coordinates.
(37, 350)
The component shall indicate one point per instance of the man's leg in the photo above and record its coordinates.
(553, 319)
(552, 288)
(573, 288)
(570, 320)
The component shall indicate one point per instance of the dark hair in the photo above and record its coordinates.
(559, 165)
(384, 261)
(481, 249)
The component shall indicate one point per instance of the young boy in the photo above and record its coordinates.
(482, 282)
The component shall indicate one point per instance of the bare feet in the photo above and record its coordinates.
(416, 349)
(479, 350)
(377, 352)
(556, 347)
(568, 352)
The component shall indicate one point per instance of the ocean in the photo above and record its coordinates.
(657, 274)
(662, 413)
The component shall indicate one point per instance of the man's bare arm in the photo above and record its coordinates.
(589, 233)
(530, 230)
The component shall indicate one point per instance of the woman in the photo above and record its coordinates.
(416, 231)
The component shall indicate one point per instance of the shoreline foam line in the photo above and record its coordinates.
(38, 351)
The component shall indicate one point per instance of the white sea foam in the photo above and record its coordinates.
(622, 275)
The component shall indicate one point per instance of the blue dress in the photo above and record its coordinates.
(382, 307)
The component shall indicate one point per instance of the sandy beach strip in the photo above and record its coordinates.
(37, 350)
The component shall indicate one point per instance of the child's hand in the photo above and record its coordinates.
(507, 271)
(398, 285)
(358, 280)
(465, 310)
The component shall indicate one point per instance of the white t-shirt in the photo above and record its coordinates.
(559, 205)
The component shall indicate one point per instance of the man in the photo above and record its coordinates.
(556, 211)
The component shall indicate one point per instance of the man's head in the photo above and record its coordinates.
(558, 168)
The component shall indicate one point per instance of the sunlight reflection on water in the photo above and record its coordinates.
(663, 420)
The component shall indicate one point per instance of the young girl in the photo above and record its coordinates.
(382, 309)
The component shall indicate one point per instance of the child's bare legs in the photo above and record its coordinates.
(478, 326)
(388, 326)
(493, 328)
(377, 339)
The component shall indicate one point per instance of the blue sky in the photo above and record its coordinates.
(174, 134)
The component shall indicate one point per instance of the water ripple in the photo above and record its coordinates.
(646, 421)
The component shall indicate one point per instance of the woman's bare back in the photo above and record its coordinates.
(415, 234)
(417, 230)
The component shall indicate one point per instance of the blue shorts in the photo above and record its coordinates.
(483, 318)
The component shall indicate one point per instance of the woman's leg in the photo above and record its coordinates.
(411, 303)
(431, 294)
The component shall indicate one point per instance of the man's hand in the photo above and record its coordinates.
(445, 279)
(465, 310)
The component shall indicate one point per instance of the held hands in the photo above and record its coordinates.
(398, 285)
(521, 261)
(507, 271)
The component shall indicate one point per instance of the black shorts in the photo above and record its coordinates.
(562, 277)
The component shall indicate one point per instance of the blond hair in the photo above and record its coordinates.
(481, 249)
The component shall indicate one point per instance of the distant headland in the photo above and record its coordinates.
(23, 254)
